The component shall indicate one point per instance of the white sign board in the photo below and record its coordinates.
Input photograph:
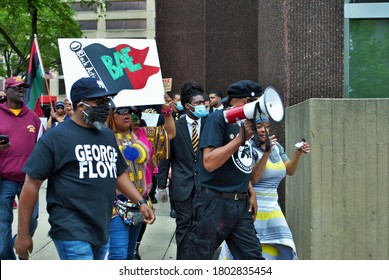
(151, 119)
(128, 66)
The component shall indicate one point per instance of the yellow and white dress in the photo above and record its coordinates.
(270, 224)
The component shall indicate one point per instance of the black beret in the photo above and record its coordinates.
(244, 88)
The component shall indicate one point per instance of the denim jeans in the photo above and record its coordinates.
(122, 239)
(8, 191)
(79, 250)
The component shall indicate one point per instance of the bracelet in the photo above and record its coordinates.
(143, 201)
(167, 112)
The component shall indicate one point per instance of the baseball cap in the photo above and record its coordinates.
(60, 104)
(15, 82)
(244, 88)
(86, 88)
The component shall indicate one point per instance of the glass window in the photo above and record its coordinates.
(368, 1)
(88, 24)
(77, 7)
(61, 87)
(366, 49)
(126, 24)
(369, 58)
(60, 70)
(126, 5)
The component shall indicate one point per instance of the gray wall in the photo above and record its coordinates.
(337, 203)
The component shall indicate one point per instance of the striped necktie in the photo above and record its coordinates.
(195, 137)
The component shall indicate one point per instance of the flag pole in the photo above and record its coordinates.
(43, 71)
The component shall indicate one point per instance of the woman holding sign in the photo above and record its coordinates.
(142, 148)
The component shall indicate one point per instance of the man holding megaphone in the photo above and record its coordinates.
(225, 202)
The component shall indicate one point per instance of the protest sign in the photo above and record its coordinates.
(167, 84)
(128, 66)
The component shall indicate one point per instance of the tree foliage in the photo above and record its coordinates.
(48, 19)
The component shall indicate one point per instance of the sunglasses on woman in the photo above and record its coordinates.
(122, 110)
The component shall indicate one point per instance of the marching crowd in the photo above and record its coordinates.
(103, 164)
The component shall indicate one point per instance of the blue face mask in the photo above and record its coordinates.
(179, 106)
(200, 111)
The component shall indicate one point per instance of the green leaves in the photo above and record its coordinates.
(49, 19)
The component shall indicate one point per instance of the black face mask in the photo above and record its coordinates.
(96, 115)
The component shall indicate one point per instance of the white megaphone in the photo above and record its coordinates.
(270, 104)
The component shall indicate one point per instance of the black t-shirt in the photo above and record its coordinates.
(234, 175)
(81, 165)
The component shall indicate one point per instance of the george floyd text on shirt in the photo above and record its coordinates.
(96, 161)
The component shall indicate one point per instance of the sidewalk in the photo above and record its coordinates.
(158, 242)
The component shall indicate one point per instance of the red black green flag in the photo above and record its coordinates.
(35, 78)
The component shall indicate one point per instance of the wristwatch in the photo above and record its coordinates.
(143, 201)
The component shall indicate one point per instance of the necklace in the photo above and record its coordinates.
(136, 155)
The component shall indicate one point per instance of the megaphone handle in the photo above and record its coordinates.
(243, 135)
(253, 121)
(267, 141)
(256, 137)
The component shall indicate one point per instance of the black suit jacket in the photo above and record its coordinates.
(183, 161)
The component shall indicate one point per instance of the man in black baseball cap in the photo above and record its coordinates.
(88, 88)
(94, 101)
(84, 166)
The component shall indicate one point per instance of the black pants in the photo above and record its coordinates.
(184, 211)
(142, 231)
(217, 219)
(153, 187)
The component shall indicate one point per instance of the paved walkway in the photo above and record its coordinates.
(158, 241)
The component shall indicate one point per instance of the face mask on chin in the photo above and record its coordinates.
(200, 111)
(96, 115)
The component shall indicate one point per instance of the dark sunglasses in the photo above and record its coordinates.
(100, 101)
(122, 110)
(19, 89)
(60, 107)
